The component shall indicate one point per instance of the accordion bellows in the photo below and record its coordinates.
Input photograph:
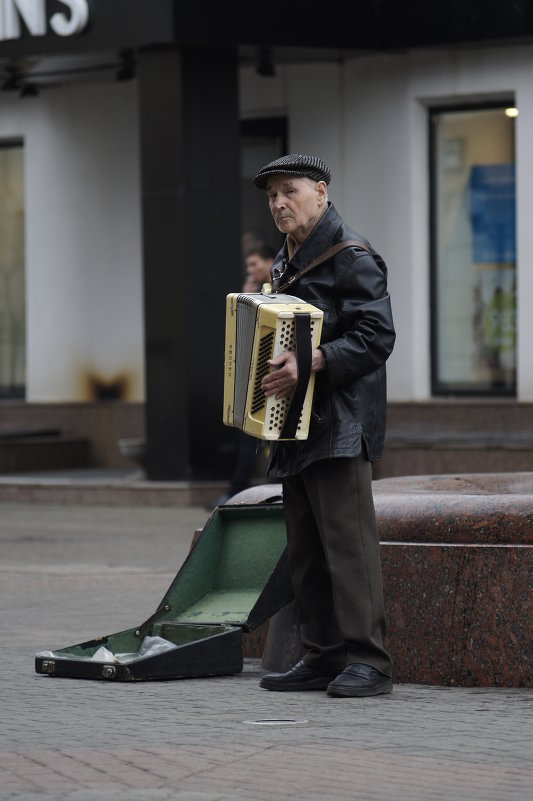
(260, 327)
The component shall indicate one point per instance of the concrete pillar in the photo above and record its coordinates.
(190, 184)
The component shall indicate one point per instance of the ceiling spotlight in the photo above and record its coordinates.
(512, 111)
(12, 82)
(29, 90)
(126, 71)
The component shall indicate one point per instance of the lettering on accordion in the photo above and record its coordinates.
(258, 328)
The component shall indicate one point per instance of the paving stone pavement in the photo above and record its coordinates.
(73, 572)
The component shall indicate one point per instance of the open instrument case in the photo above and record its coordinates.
(234, 578)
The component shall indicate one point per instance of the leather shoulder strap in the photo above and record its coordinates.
(279, 287)
(302, 335)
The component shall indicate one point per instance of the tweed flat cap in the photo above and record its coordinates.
(294, 164)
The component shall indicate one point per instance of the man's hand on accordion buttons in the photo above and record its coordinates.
(283, 378)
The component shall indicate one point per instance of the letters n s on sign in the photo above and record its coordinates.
(33, 13)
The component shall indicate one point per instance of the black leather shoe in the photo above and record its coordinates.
(358, 681)
(300, 677)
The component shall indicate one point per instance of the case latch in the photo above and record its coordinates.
(109, 672)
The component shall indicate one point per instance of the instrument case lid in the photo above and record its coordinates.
(236, 573)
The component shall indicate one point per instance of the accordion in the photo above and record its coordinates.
(260, 327)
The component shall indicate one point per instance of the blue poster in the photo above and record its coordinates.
(492, 209)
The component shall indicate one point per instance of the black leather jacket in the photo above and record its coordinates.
(349, 402)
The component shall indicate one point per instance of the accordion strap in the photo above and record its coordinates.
(279, 287)
(302, 332)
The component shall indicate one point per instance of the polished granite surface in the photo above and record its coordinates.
(457, 557)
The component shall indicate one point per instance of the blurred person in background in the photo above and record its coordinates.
(258, 262)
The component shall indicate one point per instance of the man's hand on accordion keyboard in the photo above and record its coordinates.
(284, 376)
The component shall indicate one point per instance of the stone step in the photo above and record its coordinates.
(428, 451)
(105, 487)
(43, 450)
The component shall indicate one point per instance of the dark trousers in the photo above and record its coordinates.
(335, 564)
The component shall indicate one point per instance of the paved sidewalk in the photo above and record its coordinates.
(70, 573)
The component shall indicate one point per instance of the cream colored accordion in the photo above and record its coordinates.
(260, 327)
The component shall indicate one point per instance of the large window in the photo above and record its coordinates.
(473, 251)
(12, 279)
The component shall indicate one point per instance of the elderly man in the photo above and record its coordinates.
(332, 539)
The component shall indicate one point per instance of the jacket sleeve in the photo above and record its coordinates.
(364, 320)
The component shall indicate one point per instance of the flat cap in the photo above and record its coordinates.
(294, 164)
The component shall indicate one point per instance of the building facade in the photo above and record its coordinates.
(128, 139)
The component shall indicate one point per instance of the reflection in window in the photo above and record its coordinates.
(12, 280)
(474, 252)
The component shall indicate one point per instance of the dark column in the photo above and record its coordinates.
(190, 174)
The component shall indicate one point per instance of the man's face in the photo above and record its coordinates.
(258, 269)
(296, 204)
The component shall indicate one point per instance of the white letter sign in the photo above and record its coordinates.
(79, 14)
(33, 12)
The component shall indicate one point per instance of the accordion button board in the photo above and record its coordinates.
(260, 327)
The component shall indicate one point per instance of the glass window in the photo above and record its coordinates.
(12, 278)
(473, 251)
